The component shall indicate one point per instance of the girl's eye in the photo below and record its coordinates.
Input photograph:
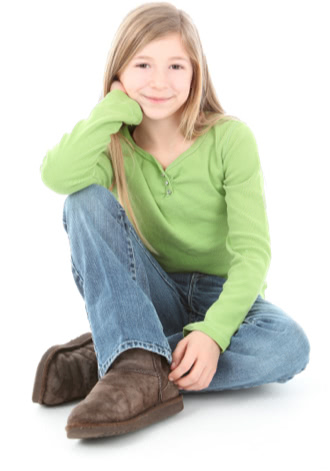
(178, 65)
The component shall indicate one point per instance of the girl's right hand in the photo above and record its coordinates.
(117, 85)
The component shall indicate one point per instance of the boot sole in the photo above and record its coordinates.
(155, 414)
(40, 381)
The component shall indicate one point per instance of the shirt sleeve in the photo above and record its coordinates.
(248, 239)
(80, 158)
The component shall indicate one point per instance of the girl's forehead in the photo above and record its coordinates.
(171, 43)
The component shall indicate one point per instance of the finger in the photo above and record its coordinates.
(177, 357)
(193, 378)
(184, 366)
(179, 351)
(205, 380)
(203, 383)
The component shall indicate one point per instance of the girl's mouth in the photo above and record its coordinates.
(158, 100)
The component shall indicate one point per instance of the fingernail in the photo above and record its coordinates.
(173, 365)
(170, 378)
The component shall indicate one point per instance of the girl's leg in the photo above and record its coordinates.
(269, 346)
(130, 301)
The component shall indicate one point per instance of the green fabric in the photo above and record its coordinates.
(206, 212)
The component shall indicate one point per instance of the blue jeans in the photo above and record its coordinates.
(131, 302)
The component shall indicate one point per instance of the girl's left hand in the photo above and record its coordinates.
(200, 351)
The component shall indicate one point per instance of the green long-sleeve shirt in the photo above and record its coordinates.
(206, 212)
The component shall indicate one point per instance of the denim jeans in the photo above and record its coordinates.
(131, 302)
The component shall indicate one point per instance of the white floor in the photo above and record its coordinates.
(270, 427)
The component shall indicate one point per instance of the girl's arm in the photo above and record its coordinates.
(248, 239)
(80, 158)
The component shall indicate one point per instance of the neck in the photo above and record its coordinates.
(162, 135)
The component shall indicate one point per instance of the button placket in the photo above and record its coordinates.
(168, 191)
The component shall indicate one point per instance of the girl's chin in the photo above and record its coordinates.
(156, 114)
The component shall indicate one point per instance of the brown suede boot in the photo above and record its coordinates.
(134, 393)
(66, 372)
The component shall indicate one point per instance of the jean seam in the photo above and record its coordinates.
(81, 281)
(130, 251)
(64, 219)
(194, 278)
(155, 266)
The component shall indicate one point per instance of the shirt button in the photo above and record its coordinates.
(169, 192)
(166, 183)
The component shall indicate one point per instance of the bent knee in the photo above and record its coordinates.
(83, 195)
(296, 349)
(87, 199)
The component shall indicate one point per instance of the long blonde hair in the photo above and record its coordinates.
(202, 109)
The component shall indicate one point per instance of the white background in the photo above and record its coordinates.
(269, 63)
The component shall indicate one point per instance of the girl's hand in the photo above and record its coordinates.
(117, 85)
(199, 351)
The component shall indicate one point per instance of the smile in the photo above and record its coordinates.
(158, 100)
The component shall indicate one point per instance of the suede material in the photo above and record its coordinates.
(66, 372)
(71, 375)
(169, 389)
(136, 381)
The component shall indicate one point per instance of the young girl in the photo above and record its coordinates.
(169, 238)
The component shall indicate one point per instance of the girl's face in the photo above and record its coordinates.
(162, 74)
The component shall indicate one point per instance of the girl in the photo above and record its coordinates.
(169, 239)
